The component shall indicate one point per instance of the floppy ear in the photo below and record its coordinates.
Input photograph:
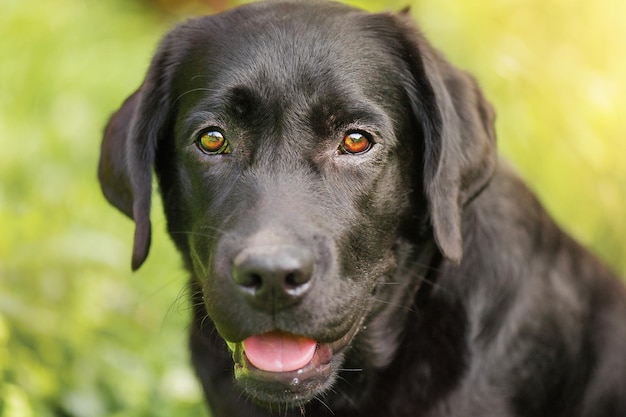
(459, 136)
(128, 151)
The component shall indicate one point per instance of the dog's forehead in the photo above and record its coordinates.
(299, 47)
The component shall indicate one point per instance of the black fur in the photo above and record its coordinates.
(451, 290)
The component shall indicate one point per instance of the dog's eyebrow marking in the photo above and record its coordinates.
(332, 119)
(241, 100)
(198, 120)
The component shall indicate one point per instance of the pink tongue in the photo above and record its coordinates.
(279, 352)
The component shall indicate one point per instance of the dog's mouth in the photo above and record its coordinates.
(281, 367)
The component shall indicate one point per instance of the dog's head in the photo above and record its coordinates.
(310, 157)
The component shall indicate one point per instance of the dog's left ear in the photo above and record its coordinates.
(129, 147)
(459, 135)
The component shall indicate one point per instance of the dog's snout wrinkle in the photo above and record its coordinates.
(273, 277)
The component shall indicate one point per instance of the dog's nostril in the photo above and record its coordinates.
(291, 280)
(297, 283)
(252, 282)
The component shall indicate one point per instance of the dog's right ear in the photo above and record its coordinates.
(125, 178)
(129, 146)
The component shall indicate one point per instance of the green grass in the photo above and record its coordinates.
(82, 336)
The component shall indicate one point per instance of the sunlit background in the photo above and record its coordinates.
(80, 336)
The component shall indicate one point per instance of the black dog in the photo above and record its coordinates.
(355, 246)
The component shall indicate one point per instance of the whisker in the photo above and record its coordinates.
(182, 232)
(193, 90)
(195, 77)
(210, 232)
(408, 308)
(204, 319)
(325, 405)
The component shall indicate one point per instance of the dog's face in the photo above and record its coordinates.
(300, 152)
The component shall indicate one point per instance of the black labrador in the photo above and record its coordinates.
(355, 246)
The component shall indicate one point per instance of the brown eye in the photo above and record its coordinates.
(354, 143)
(213, 142)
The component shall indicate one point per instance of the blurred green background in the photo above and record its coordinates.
(82, 336)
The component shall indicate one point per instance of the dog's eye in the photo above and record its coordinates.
(355, 143)
(213, 142)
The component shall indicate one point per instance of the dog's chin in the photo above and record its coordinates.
(296, 387)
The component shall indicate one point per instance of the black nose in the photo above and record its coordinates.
(273, 277)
